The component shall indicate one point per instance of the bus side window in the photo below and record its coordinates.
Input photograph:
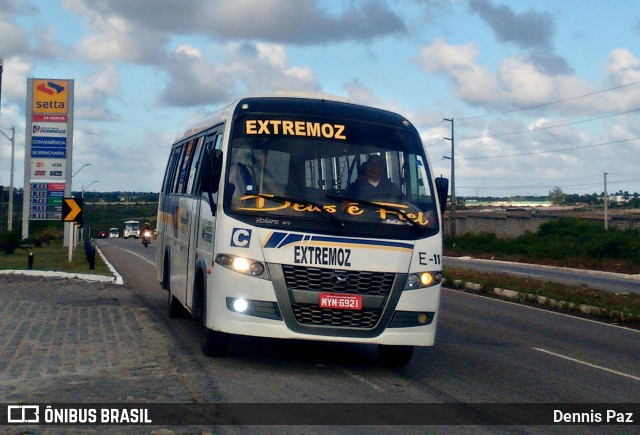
(213, 141)
(196, 170)
(184, 167)
(193, 167)
(169, 180)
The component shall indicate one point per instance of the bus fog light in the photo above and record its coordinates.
(240, 305)
(256, 269)
(422, 318)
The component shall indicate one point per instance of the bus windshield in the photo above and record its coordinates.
(330, 176)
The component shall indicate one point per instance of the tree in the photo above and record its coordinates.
(557, 196)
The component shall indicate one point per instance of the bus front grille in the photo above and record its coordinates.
(304, 285)
(316, 279)
(314, 315)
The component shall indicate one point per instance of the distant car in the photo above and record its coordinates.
(114, 233)
(102, 234)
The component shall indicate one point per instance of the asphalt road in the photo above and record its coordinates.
(75, 342)
(487, 351)
(613, 282)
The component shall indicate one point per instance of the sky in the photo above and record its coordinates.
(543, 94)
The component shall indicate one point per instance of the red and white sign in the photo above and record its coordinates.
(340, 301)
(48, 118)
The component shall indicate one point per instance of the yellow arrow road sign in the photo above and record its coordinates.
(72, 210)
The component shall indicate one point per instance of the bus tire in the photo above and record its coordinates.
(213, 343)
(165, 273)
(395, 356)
(174, 307)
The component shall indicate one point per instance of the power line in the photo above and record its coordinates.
(550, 126)
(549, 103)
(549, 151)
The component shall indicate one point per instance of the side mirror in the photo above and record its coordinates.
(211, 171)
(442, 187)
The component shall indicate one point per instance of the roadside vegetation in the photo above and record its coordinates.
(566, 243)
(576, 243)
(52, 256)
(619, 308)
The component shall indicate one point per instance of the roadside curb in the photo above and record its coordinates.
(516, 296)
(70, 275)
(115, 279)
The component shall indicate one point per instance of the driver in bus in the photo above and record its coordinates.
(373, 184)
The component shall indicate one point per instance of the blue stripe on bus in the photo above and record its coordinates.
(279, 240)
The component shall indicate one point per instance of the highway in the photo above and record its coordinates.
(487, 351)
(613, 282)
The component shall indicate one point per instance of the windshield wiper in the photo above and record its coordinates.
(416, 227)
(317, 207)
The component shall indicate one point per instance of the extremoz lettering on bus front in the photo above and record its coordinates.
(321, 256)
(295, 128)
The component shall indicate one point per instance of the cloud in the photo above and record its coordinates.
(193, 81)
(14, 41)
(247, 68)
(472, 83)
(519, 82)
(115, 39)
(276, 21)
(92, 93)
(528, 29)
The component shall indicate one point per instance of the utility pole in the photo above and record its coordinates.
(453, 178)
(606, 204)
(13, 147)
(1, 68)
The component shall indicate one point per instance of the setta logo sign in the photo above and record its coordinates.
(50, 96)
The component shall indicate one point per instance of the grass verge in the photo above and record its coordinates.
(620, 308)
(54, 257)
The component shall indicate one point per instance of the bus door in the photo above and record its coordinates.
(183, 216)
(165, 224)
(202, 221)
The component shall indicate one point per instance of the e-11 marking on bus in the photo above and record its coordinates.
(301, 217)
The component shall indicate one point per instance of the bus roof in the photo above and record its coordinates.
(292, 103)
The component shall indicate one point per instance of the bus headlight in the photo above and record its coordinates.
(243, 265)
(422, 279)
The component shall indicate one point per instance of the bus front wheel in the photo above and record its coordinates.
(213, 343)
(174, 307)
(395, 356)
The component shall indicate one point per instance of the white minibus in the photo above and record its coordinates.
(131, 229)
(303, 217)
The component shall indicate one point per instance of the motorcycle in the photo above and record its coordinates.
(146, 238)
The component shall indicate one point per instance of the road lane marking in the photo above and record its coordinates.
(140, 256)
(615, 372)
(547, 311)
(359, 379)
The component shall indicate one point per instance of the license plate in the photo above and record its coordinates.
(340, 301)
